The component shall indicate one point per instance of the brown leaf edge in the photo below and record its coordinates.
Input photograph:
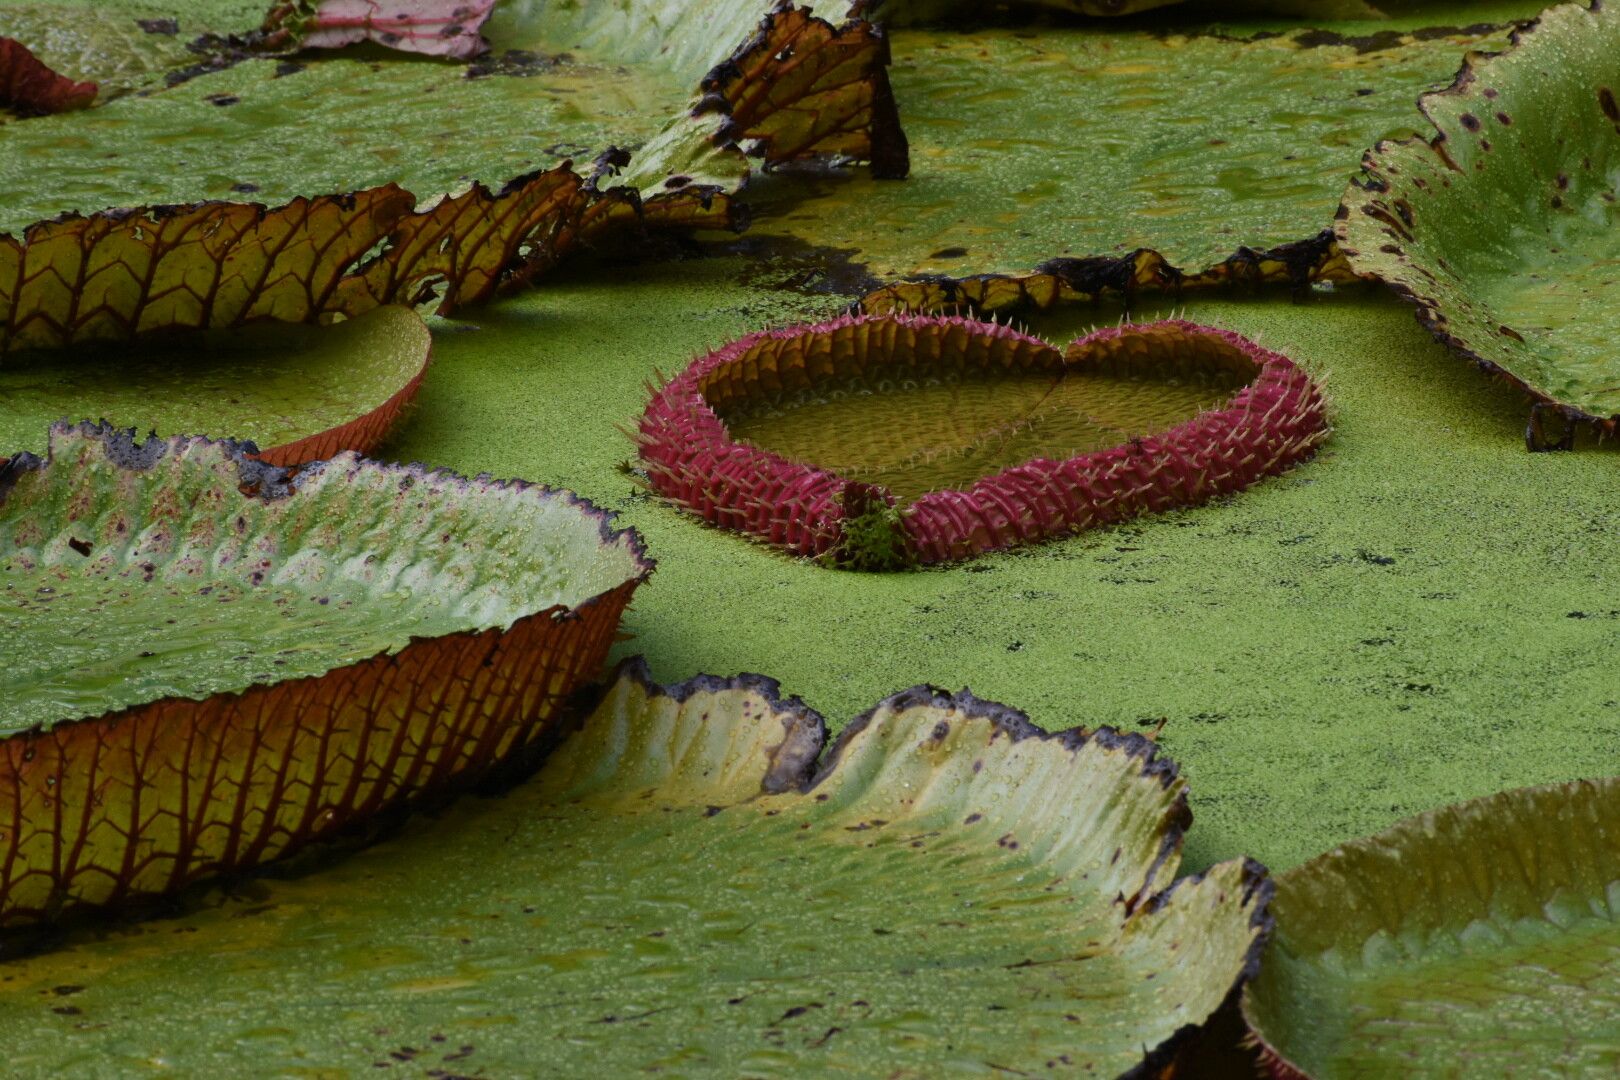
(145, 800)
(29, 87)
(121, 273)
(1552, 425)
(803, 760)
(362, 435)
(1298, 264)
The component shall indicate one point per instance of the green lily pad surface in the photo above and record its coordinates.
(681, 890)
(1095, 139)
(1476, 940)
(1504, 229)
(562, 83)
(209, 663)
(278, 385)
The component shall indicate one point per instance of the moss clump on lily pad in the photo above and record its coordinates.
(210, 664)
(883, 441)
(691, 885)
(1476, 940)
(1500, 227)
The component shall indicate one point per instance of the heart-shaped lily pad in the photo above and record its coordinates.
(1476, 940)
(299, 392)
(887, 441)
(1501, 229)
(684, 888)
(209, 664)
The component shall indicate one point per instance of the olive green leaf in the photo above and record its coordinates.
(297, 392)
(1176, 153)
(1475, 940)
(209, 663)
(683, 888)
(1500, 228)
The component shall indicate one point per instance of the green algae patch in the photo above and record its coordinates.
(211, 663)
(1139, 156)
(690, 884)
(1500, 228)
(1300, 641)
(1475, 940)
(297, 392)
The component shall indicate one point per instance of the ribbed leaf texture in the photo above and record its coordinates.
(96, 810)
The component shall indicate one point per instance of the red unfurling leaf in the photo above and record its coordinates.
(436, 27)
(29, 87)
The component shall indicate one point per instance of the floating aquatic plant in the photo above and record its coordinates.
(210, 664)
(781, 88)
(882, 441)
(1475, 940)
(1499, 228)
(699, 886)
(297, 392)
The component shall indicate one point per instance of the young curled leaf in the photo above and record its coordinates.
(882, 442)
(436, 27)
(30, 88)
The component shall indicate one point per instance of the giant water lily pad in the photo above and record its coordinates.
(209, 664)
(1164, 152)
(1476, 940)
(686, 888)
(877, 442)
(297, 392)
(782, 85)
(1503, 229)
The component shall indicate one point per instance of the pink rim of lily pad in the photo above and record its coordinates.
(1276, 420)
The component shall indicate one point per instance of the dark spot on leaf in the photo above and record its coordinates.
(66, 989)
(222, 100)
(949, 253)
(1470, 121)
(1610, 107)
(244, 188)
(81, 546)
(1504, 119)
(166, 27)
(1508, 331)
